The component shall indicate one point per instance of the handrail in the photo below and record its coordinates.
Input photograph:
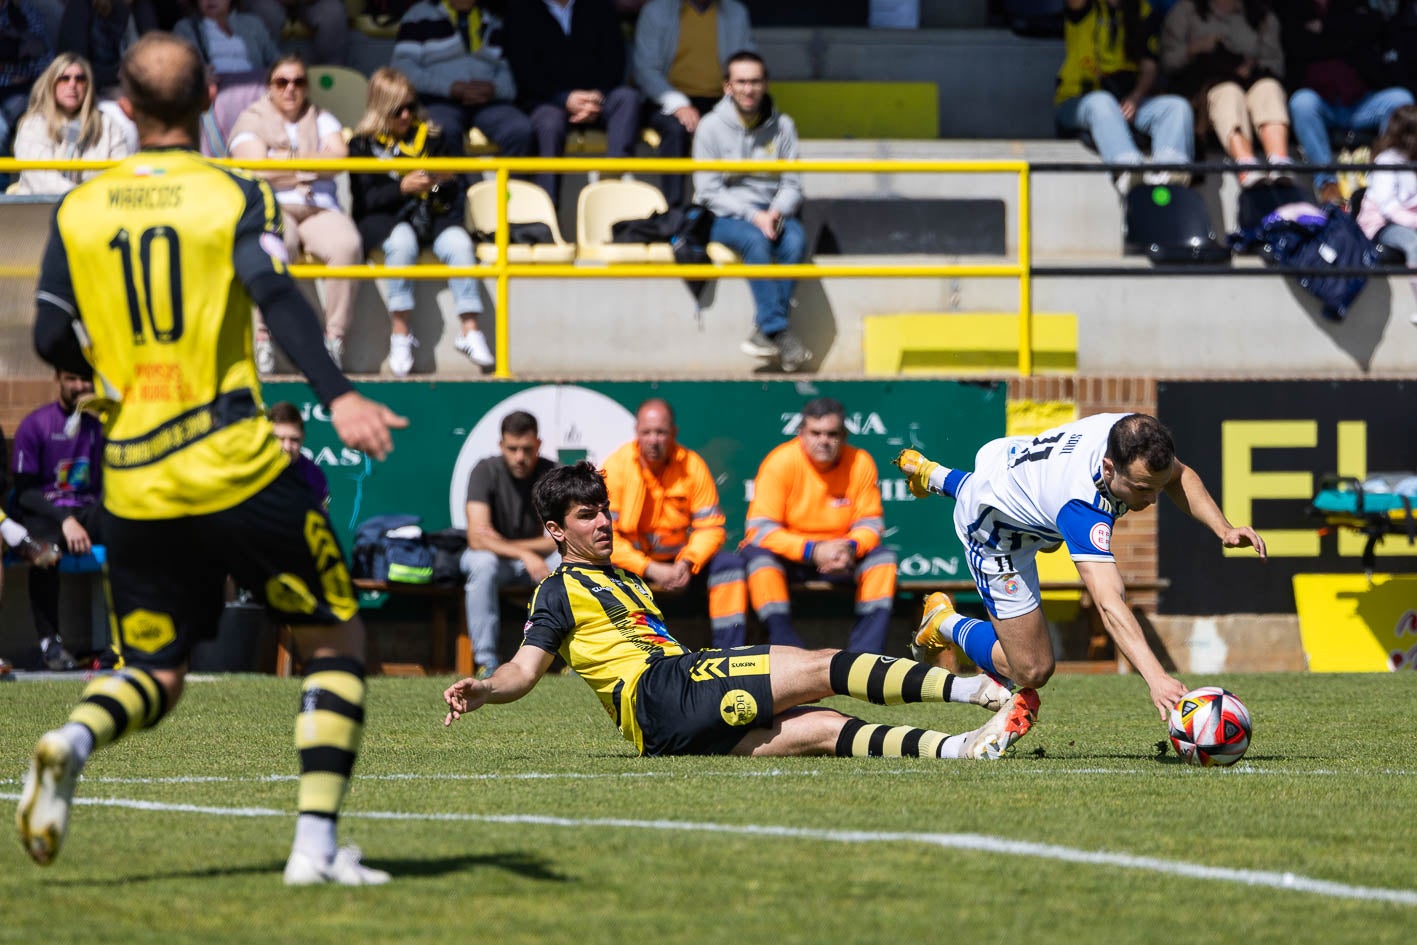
(503, 271)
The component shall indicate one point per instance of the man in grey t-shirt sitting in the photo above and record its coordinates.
(506, 543)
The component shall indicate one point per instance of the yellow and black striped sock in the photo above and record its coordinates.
(886, 681)
(118, 704)
(327, 732)
(860, 739)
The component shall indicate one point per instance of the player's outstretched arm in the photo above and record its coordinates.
(1190, 494)
(510, 682)
(1104, 584)
(364, 424)
(917, 471)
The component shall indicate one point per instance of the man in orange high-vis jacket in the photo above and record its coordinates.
(816, 513)
(668, 524)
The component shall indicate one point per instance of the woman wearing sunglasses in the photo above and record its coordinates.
(284, 124)
(406, 211)
(64, 123)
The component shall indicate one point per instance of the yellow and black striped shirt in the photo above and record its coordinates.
(603, 622)
(151, 257)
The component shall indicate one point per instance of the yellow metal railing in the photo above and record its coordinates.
(503, 271)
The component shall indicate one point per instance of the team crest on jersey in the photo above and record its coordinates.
(1101, 536)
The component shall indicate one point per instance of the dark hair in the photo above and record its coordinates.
(1133, 32)
(287, 60)
(565, 486)
(744, 55)
(283, 411)
(519, 423)
(172, 97)
(820, 407)
(1255, 11)
(1401, 133)
(1139, 436)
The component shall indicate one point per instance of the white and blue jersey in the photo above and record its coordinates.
(1028, 493)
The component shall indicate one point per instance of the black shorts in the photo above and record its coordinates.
(704, 703)
(167, 577)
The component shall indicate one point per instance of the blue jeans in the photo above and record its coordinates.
(1312, 117)
(453, 246)
(771, 297)
(1404, 240)
(1166, 119)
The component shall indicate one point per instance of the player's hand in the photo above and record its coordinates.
(364, 425)
(464, 696)
(1245, 537)
(917, 471)
(1166, 691)
(76, 536)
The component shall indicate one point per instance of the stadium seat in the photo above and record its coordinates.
(339, 90)
(580, 142)
(366, 24)
(603, 204)
(965, 342)
(526, 203)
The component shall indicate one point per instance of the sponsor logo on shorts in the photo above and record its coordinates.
(1101, 536)
(147, 630)
(1011, 587)
(738, 707)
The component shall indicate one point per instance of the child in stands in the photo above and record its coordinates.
(1389, 211)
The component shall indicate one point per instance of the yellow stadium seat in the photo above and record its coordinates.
(965, 342)
(603, 204)
(526, 203)
(822, 109)
(580, 142)
(339, 90)
(722, 255)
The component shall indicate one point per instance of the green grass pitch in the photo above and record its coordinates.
(535, 823)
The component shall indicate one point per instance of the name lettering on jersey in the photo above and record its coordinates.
(857, 424)
(152, 196)
(1071, 444)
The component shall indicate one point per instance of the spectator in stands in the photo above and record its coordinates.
(289, 429)
(285, 124)
(14, 535)
(57, 470)
(668, 525)
(1333, 53)
(1106, 83)
(506, 543)
(816, 514)
(328, 21)
(100, 30)
(25, 51)
(1388, 214)
(239, 53)
(681, 50)
(64, 123)
(755, 214)
(1224, 55)
(568, 57)
(404, 213)
(453, 55)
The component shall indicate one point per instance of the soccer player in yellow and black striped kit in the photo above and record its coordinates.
(751, 700)
(149, 277)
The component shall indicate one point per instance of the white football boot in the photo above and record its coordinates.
(43, 814)
(302, 869)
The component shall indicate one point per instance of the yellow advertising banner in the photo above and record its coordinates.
(1350, 626)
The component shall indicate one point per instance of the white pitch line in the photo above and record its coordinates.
(955, 841)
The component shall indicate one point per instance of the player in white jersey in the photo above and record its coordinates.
(1065, 486)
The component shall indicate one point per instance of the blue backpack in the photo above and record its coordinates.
(1316, 243)
(393, 548)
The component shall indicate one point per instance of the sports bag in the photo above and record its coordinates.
(393, 548)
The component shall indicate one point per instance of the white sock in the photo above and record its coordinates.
(953, 747)
(965, 688)
(80, 740)
(315, 837)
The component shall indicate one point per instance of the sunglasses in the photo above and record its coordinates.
(79, 79)
(281, 82)
(407, 108)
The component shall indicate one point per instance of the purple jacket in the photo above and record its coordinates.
(55, 474)
(311, 475)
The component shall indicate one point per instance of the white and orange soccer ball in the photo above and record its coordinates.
(1210, 726)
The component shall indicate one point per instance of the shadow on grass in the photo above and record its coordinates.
(524, 865)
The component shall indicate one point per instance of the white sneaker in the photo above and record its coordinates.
(995, 738)
(335, 346)
(43, 814)
(401, 354)
(474, 345)
(302, 869)
(265, 356)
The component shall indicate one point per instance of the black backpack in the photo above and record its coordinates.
(686, 229)
(404, 558)
(1171, 225)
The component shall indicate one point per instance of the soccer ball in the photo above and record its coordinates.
(1210, 726)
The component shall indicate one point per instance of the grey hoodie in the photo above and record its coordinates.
(721, 135)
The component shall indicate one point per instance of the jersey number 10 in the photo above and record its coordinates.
(122, 242)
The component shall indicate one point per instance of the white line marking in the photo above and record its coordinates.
(955, 841)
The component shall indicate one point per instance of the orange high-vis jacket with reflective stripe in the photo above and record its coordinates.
(668, 517)
(795, 503)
